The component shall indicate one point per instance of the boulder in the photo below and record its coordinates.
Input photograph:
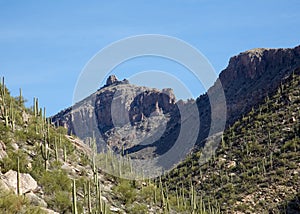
(3, 186)
(2, 150)
(27, 183)
(49, 211)
(35, 200)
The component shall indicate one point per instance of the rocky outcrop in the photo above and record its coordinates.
(255, 74)
(111, 80)
(152, 102)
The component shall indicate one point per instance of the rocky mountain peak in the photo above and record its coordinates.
(256, 52)
(253, 63)
(115, 105)
(111, 80)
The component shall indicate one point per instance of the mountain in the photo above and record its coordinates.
(121, 114)
(118, 106)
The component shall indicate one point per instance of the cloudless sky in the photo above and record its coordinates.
(44, 45)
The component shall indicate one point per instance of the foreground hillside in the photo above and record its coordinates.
(256, 169)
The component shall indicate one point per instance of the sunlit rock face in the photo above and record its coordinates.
(121, 115)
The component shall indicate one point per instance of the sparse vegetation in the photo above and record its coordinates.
(256, 168)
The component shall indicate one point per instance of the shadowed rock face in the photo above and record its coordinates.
(116, 106)
(119, 106)
(149, 103)
(248, 79)
(252, 75)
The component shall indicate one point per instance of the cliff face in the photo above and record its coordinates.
(125, 114)
(254, 74)
(116, 105)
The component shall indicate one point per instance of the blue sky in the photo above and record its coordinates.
(44, 45)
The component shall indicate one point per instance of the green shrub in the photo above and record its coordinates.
(54, 181)
(147, 193)
(10, 162)
(11, 203)
(60, 201)
(57, 187)
(125, 191)
(138, 209)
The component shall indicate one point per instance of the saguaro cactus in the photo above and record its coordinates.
(18, 177)
(45, 151)
(65, 153)
(89, 198)
(154, 195)
(12, 116)
(162, 196)
(93, 146)
(56, 149)
(21, 101)
(193, 199)
(74, 205)
(100, 198)
(3, 92)
(6, 116)
(35, 106)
